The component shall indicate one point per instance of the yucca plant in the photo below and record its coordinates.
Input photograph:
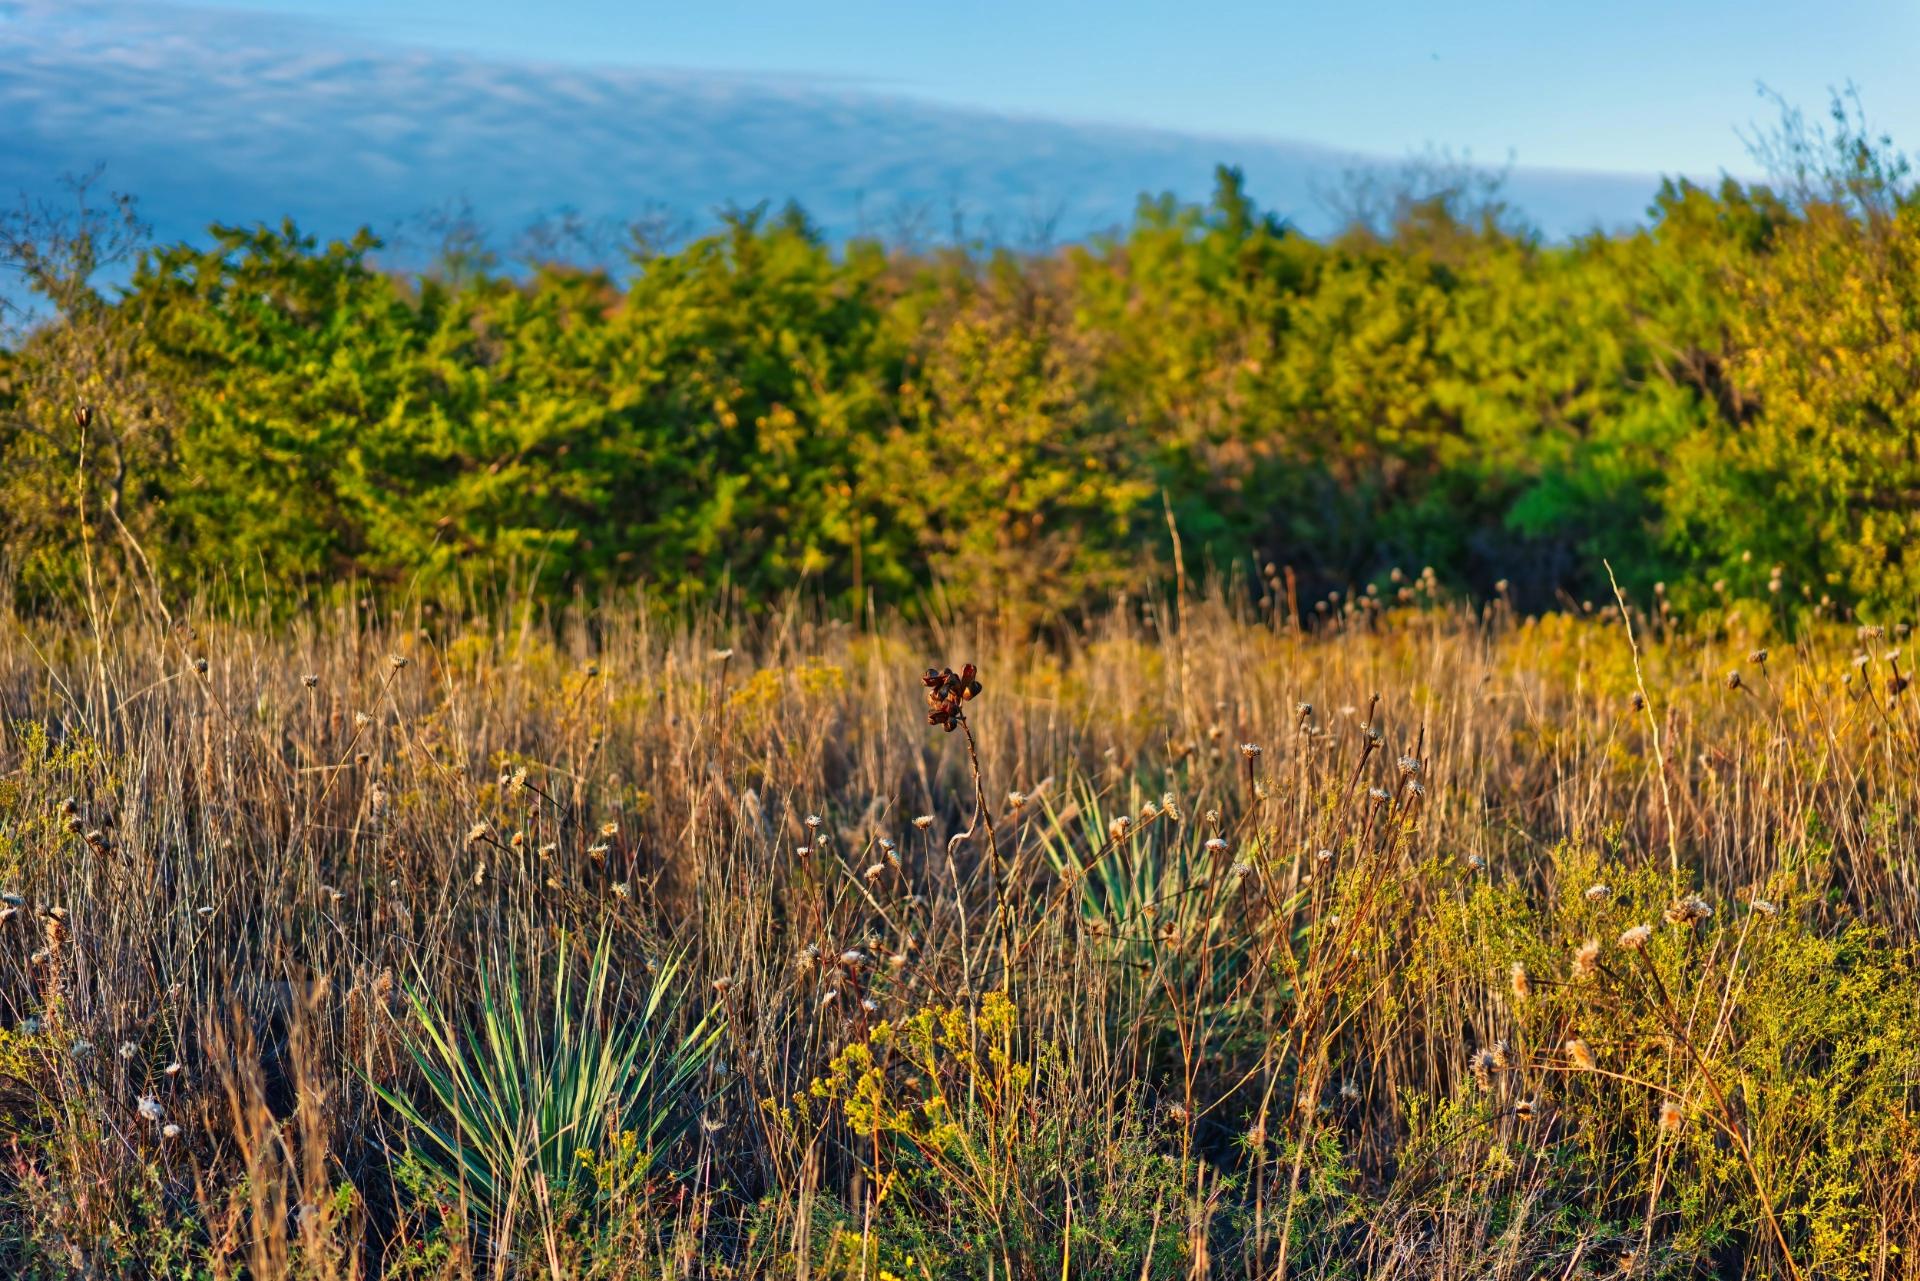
(578, 1098)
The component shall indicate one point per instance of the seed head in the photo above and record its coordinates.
(1216, 845)
(1599, 892)
(1688, 910)
(1764, 907)
(1250, 750)
(923, 822)
(1636, 938)
(1522, 986)
(170, 1130)
(1733, 679)
(1586, 958)
(150, 1108)
(814, 822)
(1672, 1118)
(875, 871)
(311, 680)
(1580, 1055)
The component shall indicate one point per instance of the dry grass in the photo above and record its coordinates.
(1027, 1039)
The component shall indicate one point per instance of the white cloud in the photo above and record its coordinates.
(208, 114)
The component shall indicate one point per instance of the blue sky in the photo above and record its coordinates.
(1023, 123)
(1624, 85)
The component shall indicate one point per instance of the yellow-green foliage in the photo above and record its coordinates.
(762, 410)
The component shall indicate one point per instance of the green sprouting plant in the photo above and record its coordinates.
(586, 1093)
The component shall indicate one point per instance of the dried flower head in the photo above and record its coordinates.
(923, 822)
(1635, 938)
(1599, 892)
(1763, 907)
(1688, 910)
(1580, 1054)
(1517, 977)
(149, 1107)
(1250, 750)
(1216, 845)
(947, 692)
(1586, 959)
(1672, 1117)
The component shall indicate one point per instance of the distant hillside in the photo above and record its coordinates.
(210, 115)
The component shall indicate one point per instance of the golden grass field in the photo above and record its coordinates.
(1429, 943)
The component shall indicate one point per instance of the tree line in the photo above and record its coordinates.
(1724, 399)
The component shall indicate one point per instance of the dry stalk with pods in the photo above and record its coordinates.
(948, 693)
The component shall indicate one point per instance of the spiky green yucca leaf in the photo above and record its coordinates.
(525, 1090)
